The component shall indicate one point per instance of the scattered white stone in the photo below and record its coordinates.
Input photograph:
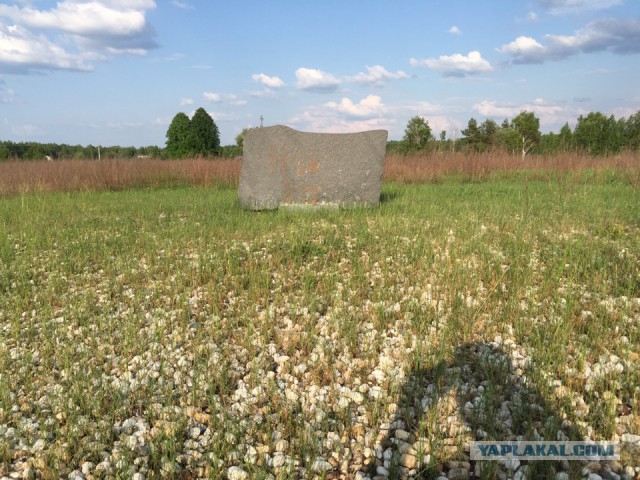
(279, 460)
(87, 468)
(281, 445)
(291, 395)
(408, 461)
(28, 474)
(630, 438)
(321, 465)
(380, 470)
(357, 397)
(38, 446)
(236, 473)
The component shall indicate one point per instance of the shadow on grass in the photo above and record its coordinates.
(387, 196)
(476, 394)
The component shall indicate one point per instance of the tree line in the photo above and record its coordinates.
(186, 137)
(594, 134)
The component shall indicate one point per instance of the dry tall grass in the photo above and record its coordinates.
(435, 166)
(78, 175)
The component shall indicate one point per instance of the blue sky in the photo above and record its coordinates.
(115, 72)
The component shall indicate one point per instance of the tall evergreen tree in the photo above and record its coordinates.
(179, 143)
(488, 134)
(565, 141)
(473, 135)
(204, 133)
(198, 136)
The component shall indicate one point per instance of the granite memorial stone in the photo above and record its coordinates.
(284, 167)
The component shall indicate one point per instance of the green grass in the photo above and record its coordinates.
(160, 303)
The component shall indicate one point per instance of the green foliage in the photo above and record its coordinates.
(231, 151)
(417, 134)
(528, 127)
(489, 133)
(205, 136)
(472, 134)
(631, 131)
(179, 136)
(565, 141)
(240, 138)
(508, 138)
(198, 136)
(397, 146)
(597, 134)
(483, 137)
(39, 151)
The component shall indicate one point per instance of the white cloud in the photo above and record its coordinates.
(367, 107)
(186, 101)
(559, 7)
(212, 97)
(456, 65)
(626, 111)
(23, 52)
(549, 114)
(311, 79)
(319, 120)
(455, 30)
(267, 81)
(524, 50)
(377, 75)
(345, 116)
(84, 18)
(228, 98)
(75, 32)
(532, 16)
(264, 93)
(183, 5)
(422, 108)
(612, 35)
(221, 116)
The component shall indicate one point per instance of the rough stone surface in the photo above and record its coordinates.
(283, 167)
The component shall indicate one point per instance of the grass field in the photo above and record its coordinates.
(166, 333)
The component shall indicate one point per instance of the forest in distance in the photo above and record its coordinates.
(594, 134)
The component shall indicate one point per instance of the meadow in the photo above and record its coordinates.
(150, 328)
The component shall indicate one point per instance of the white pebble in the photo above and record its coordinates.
(321, 465)
(236, 473)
